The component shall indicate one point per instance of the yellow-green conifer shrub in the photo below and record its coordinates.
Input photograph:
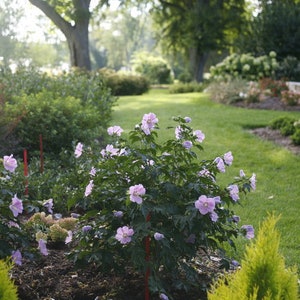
(8, 290)
(263, 275)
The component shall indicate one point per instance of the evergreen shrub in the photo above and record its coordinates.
(263, 274)
(8, 290)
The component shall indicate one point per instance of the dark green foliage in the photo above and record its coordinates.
(65, 108)
(285, 125)
(60, 121)
(296, 136)
(186, 87)
(196, 28)
(126, 84)
(185, 77)
(276, 27)
(289, 69)
(23, 81)
(154, 68)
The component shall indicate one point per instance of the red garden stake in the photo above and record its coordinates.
(41, 155)
(147, 246)
(25, 171)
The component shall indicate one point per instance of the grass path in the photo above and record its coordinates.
(225, 127)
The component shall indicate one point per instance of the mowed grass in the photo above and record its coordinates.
(227, 129)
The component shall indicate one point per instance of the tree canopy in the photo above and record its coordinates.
(198, 27)
(275, 28)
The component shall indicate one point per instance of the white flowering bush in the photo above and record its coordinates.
(151, 206)
(245, 66)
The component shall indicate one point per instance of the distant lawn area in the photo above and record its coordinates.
(226, 129)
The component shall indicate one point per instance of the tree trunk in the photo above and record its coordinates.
(197, 63)
(77, 35)
(78, 43)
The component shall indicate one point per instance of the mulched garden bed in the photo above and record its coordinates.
(56, 277)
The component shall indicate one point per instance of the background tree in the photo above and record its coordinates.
(195, 28)
(72, 18)
(9, 15)
(276, 27)
(121, 34)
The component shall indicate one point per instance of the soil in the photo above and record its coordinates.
(56, 277)
(267, 133)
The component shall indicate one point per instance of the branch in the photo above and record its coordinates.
(169, 4)
(51, 13)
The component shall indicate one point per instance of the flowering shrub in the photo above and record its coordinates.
(11, 207)
(152, 206)
(290, 97)
(245, 66)
(272, 87)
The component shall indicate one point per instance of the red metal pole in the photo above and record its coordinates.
(41, 155)
(25, 170)
(147, 246)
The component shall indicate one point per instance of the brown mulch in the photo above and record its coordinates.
(55, 277)
(271, 103)
(276, 137)
(267, 133)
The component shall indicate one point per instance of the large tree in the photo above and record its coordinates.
(197, 27)
(72, 17)
(276, 27)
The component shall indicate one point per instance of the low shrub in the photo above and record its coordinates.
(271, 87)
(230, 91)
(60, 121)
(189, 87)
(154, 68)
(290, 98)
(295, 137)
(72, 99)
(185, 77)
(262, 275)
(285, 125)
(25, 80)
(8, 291)
(122, 84)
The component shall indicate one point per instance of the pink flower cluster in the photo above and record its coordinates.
(10, 163)
(136, 192)
(206, 205)
(148, 123)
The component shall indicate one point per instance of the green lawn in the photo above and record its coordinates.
(226, 129)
